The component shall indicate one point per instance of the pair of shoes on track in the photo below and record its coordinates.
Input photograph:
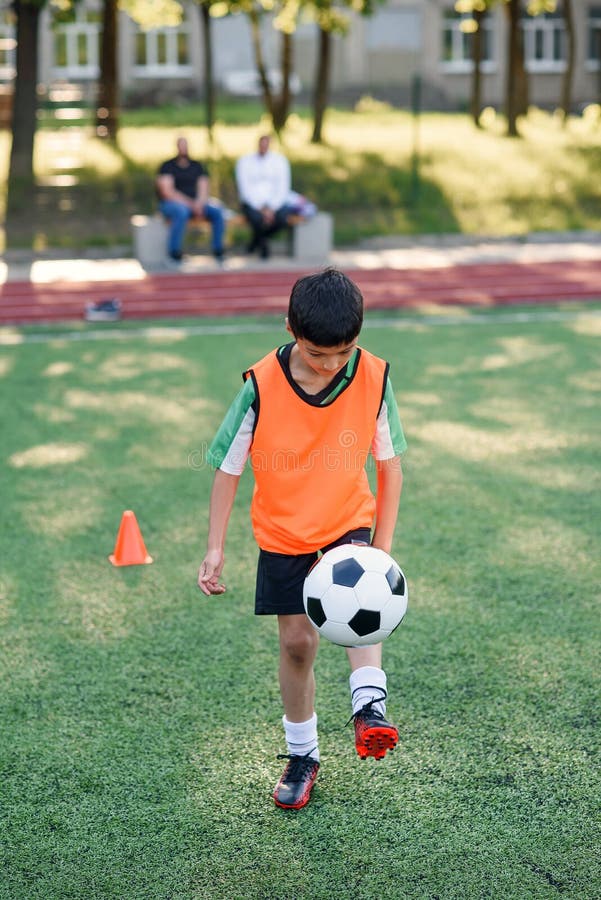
(103, 311)
(374, 736)
(260, 244)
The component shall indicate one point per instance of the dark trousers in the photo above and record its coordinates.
(261, 231)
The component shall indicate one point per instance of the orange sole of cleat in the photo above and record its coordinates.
(298, 805)
(377, 741)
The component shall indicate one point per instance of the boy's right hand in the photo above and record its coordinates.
(209, 572)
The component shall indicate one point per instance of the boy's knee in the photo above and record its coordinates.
(300, 645)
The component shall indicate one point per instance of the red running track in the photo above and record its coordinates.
(227, 293)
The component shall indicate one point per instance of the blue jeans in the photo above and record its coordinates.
(178, 215)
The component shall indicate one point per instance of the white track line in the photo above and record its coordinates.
(14, 337)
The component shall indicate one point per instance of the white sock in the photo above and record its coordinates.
(301, 737)
(368, 683)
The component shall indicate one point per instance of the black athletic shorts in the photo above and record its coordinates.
(280, 577)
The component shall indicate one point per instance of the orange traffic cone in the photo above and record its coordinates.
(129, 549)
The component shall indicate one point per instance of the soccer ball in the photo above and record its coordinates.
(355, 595)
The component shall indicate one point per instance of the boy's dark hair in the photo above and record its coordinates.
(326, 308)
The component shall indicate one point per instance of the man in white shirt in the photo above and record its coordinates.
(263, 181)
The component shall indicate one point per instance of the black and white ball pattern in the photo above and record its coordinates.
(355, 595)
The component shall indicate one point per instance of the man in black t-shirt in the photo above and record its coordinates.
(183, 190)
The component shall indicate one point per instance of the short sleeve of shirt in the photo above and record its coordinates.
(200, 170)
(230, 448)
(389, 439)
(185, 179)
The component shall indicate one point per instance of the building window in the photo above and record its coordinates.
(544, 42)
(457, 41)
(77, 46)
(593, 57)
(163, 52)
(8, 45)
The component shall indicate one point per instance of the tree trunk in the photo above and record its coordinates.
(209, 86)
(107, 113)
(21, 181)
(522, 88)
(278, 106)
(282, 103)
(322, 83)
(477, 49)
(566, 85)
(511, 97)
(255, 31)
(25, 93)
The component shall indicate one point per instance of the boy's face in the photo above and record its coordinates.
(325, 360)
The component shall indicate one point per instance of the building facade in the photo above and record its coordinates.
(380, 55)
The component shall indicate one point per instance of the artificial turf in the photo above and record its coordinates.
(141, 720)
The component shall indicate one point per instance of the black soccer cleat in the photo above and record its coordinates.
(293, 790)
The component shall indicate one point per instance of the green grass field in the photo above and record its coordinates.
(141, 720)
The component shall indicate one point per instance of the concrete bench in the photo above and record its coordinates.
(311, 239)
(150, 235)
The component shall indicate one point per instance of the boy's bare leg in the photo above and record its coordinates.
(365, 656)
(298, 649)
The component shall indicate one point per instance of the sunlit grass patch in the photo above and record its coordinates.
(61, 513)
(53, 414)
(8, 596)
(123, 366)
(589, 382)
(137, 403)
(421, 398)
(516, 351)
(170, 451)
(95, 603)
(557, 476)
(56, 369)
(587, 325)
(44, 455)
(480, 444)
(543, 541)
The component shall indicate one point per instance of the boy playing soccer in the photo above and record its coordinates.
(308, 415)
